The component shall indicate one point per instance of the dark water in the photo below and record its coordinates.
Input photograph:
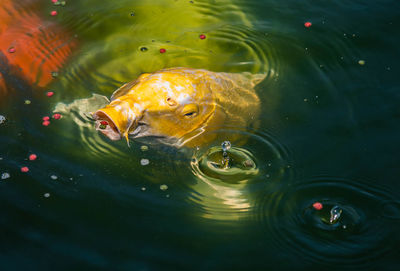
(329, 133)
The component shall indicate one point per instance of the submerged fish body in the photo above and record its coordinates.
(180, 106)
(31, 48)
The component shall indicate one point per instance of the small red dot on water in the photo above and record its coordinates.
(53, 13)
(54, 1)
(162, 50)
(46, 123)
(317, 205)
(11, 50)
(46, 118)
(24, 169)
(50, 93)
(32, 157)
(307, 24)
(104, 122)
(57, 116)
(202, 36)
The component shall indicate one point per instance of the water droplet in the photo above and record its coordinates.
(53, 177)
(27, 102)
(5, 175)
(226, 145)
(46, 195)
(2, 119)
(144, 162)
(163, 187)
(54, 74)
(132, 13)
(361, 62)
(336, 212)
(143, 188)
(143, 49)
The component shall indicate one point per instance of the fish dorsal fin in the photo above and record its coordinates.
(124, 89)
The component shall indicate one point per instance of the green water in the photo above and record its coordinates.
(328, 133)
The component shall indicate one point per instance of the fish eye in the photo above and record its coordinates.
(190, 110)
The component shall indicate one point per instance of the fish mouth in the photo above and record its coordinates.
(106, 125)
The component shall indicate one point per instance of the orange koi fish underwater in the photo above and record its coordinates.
(31, 48)
(180, 106)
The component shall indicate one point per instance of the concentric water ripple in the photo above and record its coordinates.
(293, 225)
(262, 164)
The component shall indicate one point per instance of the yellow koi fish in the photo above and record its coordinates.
(180, 106)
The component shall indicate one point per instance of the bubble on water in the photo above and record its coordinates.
(46, 195)
(336, 212)
(53, 177)
(144, 162)
(143, 188)
(2, 119)
(144, 148)
(226, 145)
(5, 175)
(361, 62)
(163, 187)
(27, 102)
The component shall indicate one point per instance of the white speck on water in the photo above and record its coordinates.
(53, 177)
(144, 162)
(46, 195)
(2, 119)
(361, 62)
(267, 175)
(269, 164)
(305, 99)
(163, 187)
(5, 175)
(167, 196)
(143, 188)
(144, 148)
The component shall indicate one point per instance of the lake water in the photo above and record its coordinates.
(328, 134)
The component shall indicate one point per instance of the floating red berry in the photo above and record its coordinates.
(32, 157)
(46, 123)
(103, 122)
(317, 205)
(162, 50)
(50, 93)
(202, 36)
(24, 169)
(11, 50)
(57, 116)
(45, 118)
(307, 24)
(54, 13)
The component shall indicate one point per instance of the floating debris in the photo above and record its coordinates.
(5, 175)
(162, 50)
(49, 93)
(163, 187)
(317, 205)
(53, 177)
(32, 157)
(132, 13)
(24, 169)
(144, 162)
(46, 195)
(202, 36)
(143, 49)
(144, 148)
(361, 62)
(307, 24)
(2, 119)
(248, 163)
(27, 102)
